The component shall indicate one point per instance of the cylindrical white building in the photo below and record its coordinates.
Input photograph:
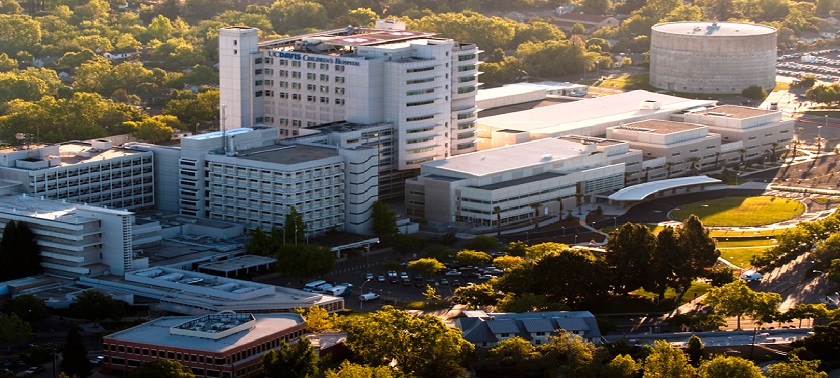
(712, 57)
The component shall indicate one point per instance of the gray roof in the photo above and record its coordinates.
(480, 327)
(503, 326)
(571, 324)
(157, 332)
(538, 325)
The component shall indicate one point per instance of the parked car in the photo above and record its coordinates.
(406, 282)
(368, 276)
(456, 283)
(403, 275)
(444, 282)
(97, 360)
(380, 278)
(394, 280)
(453, 273)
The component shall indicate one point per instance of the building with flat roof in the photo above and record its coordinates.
(92, 172)
(686, 148)
(220, 345)
(186, 292)
(586, 117)
(244, 176)
(760, 132)
(81, 240)
(425, 86)
(467, 188)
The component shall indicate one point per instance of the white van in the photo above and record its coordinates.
(339, 291)
(368, 297)
(313, 285)
(751, 275)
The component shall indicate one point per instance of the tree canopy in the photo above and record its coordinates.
(414, 345)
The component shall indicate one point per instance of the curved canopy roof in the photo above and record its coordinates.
(641, 191)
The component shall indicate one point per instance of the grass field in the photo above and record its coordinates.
(629, 82)
(741, 211)
(697, 289)
(746, 234)
(740, 256)
(745, 242)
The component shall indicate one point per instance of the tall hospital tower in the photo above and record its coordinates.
(423, 86)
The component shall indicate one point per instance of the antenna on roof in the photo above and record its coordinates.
(224, 129)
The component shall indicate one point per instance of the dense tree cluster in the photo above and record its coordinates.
(671, 259)
(825, 233)
(20, 255)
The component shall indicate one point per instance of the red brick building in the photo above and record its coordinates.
(222, 345)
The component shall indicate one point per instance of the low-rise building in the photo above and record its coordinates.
(590, 22)
(221, 345)
(487, 330)
(81, 240)
(518, 182)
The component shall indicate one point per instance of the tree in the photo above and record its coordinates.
(577, 29)
(20, 255)
(476, 296)
(318, 319)
(729, 367)
(299, 360)
(796, 368)
(28, 307)
(305, 260)
(151, 130)
(483, 243)
(160, 28)
(18, 33)
(7, 63)
(75, 360)
(384, 220)
(699, 248)
(515, 356)
(598, 7)
(737, 299)
(95, 306)
(630, 250)
(431, 294)
(721, 276)
(426, 266)
(294, 16)
(825, 342)
(348, 369)
(498, 212)
(695, 350)
(755, 92)
(667, 361)
(470, 257)
(13, 330)
(161, 369)
(294, 229)
(422, 346)
(622, 366)
(568, 355)
(507, 262)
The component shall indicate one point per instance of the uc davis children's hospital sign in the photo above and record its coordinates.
(311, 58)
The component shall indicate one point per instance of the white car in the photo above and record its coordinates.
(368, 297)
(453, 273)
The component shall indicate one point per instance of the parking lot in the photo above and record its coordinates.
(824, 64)
(390, 290)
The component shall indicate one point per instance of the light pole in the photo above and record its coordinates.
(575, 238)
(362, 292)
(615, 222)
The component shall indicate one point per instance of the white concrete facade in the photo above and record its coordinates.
(712, 57)
(243, 176)
(515, 178)
(424, 86)
(83, 172)
(80, 240)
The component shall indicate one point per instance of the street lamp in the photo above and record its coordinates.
(575, 238)
(361, 292)
(615, 222)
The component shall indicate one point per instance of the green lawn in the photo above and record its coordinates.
(741, 211)
(629, 82)
(644, 300)
(740, 256)
(745, 242)
(746, 234)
